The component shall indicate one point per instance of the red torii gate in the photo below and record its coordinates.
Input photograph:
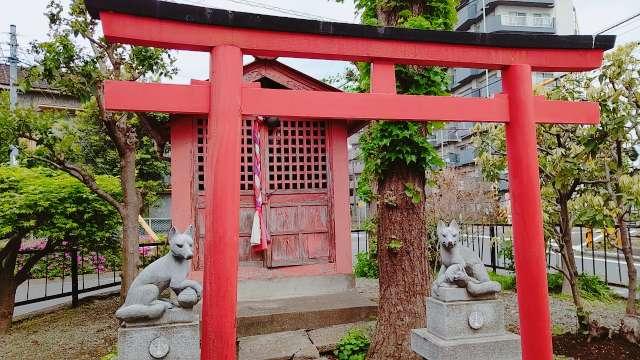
(228, 35)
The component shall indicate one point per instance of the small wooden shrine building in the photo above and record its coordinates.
(303, 177)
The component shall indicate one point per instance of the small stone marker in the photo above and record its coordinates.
(159, 347)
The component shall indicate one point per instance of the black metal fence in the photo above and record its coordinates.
(597, 250)
(72, 272)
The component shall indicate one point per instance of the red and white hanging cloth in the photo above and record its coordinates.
(259, 232)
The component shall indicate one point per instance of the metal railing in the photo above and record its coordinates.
(74, 271)
(597, 251)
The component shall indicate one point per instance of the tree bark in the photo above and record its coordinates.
(8, 283)
(130, 211)
(569, 262)
(627, 250)
(7, 298)
(404, 274)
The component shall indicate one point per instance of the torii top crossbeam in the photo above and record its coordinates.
(228, 35)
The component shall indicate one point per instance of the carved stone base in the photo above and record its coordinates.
(498, 347)
(169, 342)
(465, 330)
(451, 320)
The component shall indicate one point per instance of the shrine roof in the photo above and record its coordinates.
(209, 16)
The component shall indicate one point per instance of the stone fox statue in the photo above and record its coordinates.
(169, 271)
(461, 266)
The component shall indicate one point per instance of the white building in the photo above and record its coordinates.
(499, 16)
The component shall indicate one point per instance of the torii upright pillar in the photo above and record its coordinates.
(528, 237)
(222, 222)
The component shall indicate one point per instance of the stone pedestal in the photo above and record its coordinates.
(175, 336)
(465, 329)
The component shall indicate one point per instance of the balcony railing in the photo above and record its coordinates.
(529, 21)
(511, 23)
(470, 12)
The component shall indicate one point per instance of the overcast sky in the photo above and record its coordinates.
(593, 16)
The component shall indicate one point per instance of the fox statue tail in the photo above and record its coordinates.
(138, 312)
(488, 287)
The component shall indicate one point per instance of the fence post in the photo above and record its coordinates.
(494, 250)
(74, 274)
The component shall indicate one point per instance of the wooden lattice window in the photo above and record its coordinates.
(246, 154)
(297, 156)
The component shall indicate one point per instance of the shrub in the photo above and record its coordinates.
(593, 288)
(554, 282)
(508, 282)
(505, 251)
(353, 345)
(366, 266)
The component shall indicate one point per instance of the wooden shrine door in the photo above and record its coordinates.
(296, 186)
(298, 193)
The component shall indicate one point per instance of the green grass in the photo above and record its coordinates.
(592, 288)
(508, 282)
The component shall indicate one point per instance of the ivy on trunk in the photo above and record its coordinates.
(397, 156)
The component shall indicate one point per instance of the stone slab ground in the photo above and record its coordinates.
(297, 345)
(306, 312)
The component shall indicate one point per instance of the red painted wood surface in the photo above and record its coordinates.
(524, 189)
(297, 184)
(222, 198)
(124, 95)
(340, 191)
(135, 30)
(182, 174)
(228, 100)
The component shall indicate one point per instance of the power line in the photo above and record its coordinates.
(260, 5)
(618, 24)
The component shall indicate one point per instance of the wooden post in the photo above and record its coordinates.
(524, 188)
(222, 186)
(182, 172)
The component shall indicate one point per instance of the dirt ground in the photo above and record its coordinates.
(85, 333)
(577, 347)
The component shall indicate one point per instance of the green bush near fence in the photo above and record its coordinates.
(508, 282)
(366, 266)
(595, 289)
(554, 282)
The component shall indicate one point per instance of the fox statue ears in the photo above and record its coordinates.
(442, 225)
(173, 231)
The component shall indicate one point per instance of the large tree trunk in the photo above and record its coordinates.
(130, 211)
(8, 283)
(404, 274)
(569, 263)
(627, 250)
(7, 299)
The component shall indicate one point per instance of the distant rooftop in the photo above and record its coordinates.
(4, 78)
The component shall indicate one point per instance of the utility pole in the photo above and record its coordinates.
(13, 66)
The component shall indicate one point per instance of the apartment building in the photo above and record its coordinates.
(454, 141)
